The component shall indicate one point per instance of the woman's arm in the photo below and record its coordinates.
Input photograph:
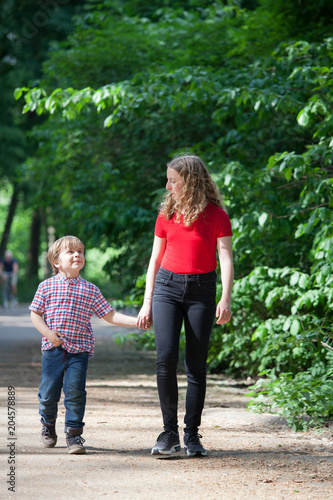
(224, 248)
(145, 314)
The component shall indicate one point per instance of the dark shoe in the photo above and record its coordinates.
(75, 441)
(192, 445)
(48, 435)
(167, 443)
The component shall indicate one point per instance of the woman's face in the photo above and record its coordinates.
(175, 183)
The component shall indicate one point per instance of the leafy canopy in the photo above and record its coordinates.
(246, 85)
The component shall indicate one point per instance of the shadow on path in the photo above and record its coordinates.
(249, 456)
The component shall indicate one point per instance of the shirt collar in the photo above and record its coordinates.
(76, 280)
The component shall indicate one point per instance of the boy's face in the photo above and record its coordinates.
(70, 261)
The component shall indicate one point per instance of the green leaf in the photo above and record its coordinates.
(286, 325)
(303, 118)
(288, 173)
(253, 280)
(263, 218)
(17, 93)
(108, 121)
(294, 278)
(299, 231)
(303, 281)
(295, 327)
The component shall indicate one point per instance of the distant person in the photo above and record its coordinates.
(61, 310)
(181, 286)
(9, 271)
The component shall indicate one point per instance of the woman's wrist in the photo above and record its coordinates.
(224, 299)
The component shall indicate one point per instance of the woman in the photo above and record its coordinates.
(181, 286)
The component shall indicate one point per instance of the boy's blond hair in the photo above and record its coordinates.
(59, 245)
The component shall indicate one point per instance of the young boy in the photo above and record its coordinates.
(61, 310)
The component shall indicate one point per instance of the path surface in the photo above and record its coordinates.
(249, 456)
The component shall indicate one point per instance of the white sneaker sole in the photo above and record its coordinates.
(174, 449)
(195, 453)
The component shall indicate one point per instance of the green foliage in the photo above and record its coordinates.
(304, 400)
(145, 340)
(273, 310)
(246, 85)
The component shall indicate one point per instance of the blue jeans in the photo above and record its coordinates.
(67, 371)
(192, 299)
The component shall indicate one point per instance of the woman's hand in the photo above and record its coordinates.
(145, 317)
(223, 312)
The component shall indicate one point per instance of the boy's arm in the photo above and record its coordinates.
(119, 319)
(39, 323)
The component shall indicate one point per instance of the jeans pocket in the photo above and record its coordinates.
(208, 286)
(48, 352)
(162, 279)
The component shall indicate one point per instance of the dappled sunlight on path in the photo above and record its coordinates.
(249, 456)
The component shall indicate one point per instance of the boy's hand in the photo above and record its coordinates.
(55, 338)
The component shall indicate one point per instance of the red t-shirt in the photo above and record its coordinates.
(192, 250)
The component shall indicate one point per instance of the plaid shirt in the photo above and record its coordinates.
(67, 306)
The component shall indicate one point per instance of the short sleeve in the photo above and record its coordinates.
(223, 227)
(159, 227)
(38, 303)
(102, 306)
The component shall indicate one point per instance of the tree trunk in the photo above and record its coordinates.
(49, 234)
(33, 253)
(9, 221)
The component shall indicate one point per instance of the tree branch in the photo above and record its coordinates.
(295, 213)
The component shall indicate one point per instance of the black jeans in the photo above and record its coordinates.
(190, 298)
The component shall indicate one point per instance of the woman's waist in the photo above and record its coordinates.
(185, 277)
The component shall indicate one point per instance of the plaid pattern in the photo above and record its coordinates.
(67, 306)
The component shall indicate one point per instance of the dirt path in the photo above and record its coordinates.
(249, 456)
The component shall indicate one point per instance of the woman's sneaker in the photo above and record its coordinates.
(192, 445)
(48, 435)
(166, 443)
(75, 441)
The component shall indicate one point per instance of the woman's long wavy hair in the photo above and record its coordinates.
(198, 190)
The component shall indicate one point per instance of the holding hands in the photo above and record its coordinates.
(145, 316)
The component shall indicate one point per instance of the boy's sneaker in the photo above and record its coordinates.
(166, 443)
(48, 435)
(192, 445)
(75, 441)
